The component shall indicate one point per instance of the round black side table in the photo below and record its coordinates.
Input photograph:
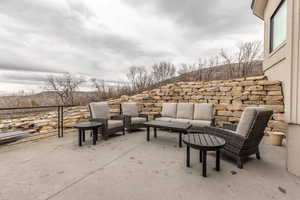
(203, 142)
(82, 127)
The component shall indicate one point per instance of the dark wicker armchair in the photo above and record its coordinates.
(133, 119)
(245, 140)
(99, 111)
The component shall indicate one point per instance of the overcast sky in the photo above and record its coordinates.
(103, 38)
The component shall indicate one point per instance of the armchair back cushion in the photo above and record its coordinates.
(99, 110)
(169, 110)
(203, 111)
(251, 118)
(130, 109)
(185, 110)
(246, 121)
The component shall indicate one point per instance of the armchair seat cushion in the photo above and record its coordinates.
(114, 124)
(164, 119)
(200, 123)
(138, 120)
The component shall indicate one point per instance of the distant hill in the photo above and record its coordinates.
(42, 99)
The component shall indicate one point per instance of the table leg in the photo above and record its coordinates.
(148, 133)
(218, 160)
(188, 156)
(180, 140)
(95, 133)
(204, 163)
(83, 135)
(200, 156)
(79, 137)
(155, 132)
(97, 136)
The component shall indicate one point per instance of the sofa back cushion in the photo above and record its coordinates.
(130, 109)
(185, 111)
(169, 110)
(99, 110)
(246, 122)
(203, 111)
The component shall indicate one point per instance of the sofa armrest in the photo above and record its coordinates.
(144, 116)
(102, 120)
(156, 116)
(213, 122)
(231, 127)
(117, 117)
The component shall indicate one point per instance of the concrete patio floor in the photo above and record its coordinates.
(128, 167)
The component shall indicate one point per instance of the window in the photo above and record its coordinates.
(278, 26)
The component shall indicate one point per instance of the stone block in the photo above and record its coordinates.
(224, 113)
(275, 108)
(268, 82)
(273, 98)
(254, 88)
(225, 89)
(275, 93)
(272, 87)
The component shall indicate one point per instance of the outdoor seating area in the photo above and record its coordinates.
(184, 119)
(129, 167)
(77, 172)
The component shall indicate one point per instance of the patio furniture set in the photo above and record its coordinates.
(194, 124)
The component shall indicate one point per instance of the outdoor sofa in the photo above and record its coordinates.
(99, 111)
(198, 114)
(133, 119)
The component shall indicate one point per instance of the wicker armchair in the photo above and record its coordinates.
(244, 141)
(99, 111)
(133, 119)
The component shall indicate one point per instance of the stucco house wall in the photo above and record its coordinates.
(283, 64)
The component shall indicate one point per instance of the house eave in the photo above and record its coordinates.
(258, 8)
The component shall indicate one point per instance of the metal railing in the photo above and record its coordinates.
(60, 114)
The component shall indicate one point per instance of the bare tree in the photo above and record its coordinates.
(64, 86)
(248, 53)
(163, 71)
(139, 78)
(186, 68)
(241, 61)
(100, 87)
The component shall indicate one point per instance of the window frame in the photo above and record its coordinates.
(271, 44)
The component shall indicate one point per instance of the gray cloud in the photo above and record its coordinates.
(22, 68)
(207, 18)
(56, 36)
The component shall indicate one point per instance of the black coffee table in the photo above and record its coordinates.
(180, 128)
(82, 127)
(203, 142)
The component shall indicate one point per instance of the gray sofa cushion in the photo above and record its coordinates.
(138, 120)
(246, 121)
(130, 109)
(169, 110)
(114, 123)
(164, 119)
(99, 110)
(186, 121)
(185, 111)
(203, 111)
(200, 123)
